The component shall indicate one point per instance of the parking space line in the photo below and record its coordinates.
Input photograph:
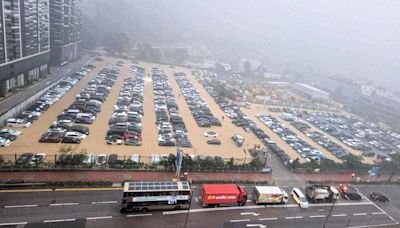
(359, 214)
(62, 204)
(339, 215)
(13, 223)
(104, 202)
(239, 220)
(21, 206)
(317, 216)
(377, 213)
(139, 215)
(101, 217)
(59, 220)
(267, 219)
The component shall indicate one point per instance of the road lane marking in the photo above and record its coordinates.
(339, 215)
(267, 219)
(317, 216)
(139, 215)
(256, 225)
(250, 213)
(340, 204)
(104, 202)
(377, 213)
(18, 206)
(239, 220)
(59, 220)
(175, 212)
(197, 199)
(359, 214)
(13, 223)
(62, 204)
(100, 217)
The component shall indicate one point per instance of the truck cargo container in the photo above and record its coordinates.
(321, 193)
(269, 195)
(223, 195)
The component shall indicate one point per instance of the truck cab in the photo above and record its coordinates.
(242, 199)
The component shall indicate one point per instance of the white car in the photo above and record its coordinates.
(33, 113)
(135, 158)
(37, 158)
(15, 122)
(12, 132)
(4, 142)
(75, 134)
(210, 134)
(101, 159)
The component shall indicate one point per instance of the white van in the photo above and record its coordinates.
(14, 122)
(299, 198)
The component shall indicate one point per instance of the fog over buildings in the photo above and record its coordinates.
(352, 39)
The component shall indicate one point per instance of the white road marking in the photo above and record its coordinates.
(13, 223)
(101, 217)
(62, 204)
(259, 207)
(104, 202)
(317, 216)
(256, 225)
(250, 213)
(59, 220)
(267, 219)
(240, 220)
(339, 215)
(18, 206)
(197, 199)
(394, 220)
(295, 217)
(289, 217)
(377, 213)
(139, 215)
(321, 210)
(359, 214)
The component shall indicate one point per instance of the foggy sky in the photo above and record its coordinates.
(357, 39)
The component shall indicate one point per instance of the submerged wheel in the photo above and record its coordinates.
(145, 209)
(177, 207)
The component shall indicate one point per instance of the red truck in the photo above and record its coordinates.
(223, 194)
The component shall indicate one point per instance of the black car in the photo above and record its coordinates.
(80, 129)
(71, 140)
(24, 158)
(378, 196)
(214, 142)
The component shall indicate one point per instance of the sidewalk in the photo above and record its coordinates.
(56, 74)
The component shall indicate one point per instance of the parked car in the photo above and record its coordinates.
(37, 158)
(101, 159)
(71, 140)
(52, 137)
(210, 134)
(14, 122)
(4, 141)
(24, 159)
(8, 136)
(11, 131)
(80, 129)
(214, 142)
(75, 134)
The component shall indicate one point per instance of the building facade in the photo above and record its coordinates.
(24, 42)
(65, 25)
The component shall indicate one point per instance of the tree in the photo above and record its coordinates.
(393, 166)
(352, 162)
(247, 69)
(177, 55)
(89, 33)
(219, 68)
(146, 52)
(116, 43)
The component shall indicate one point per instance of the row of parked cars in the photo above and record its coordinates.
(34, 111)
(199, 108)
(172, 130)
(355, 133)
(126, 121)
(292, 139)
(82, 111)
(317, 137)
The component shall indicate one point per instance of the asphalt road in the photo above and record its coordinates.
(101, 209)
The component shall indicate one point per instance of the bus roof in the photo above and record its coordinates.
(151, 186)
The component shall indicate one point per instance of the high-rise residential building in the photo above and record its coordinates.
(65, 24)
(24, 42)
